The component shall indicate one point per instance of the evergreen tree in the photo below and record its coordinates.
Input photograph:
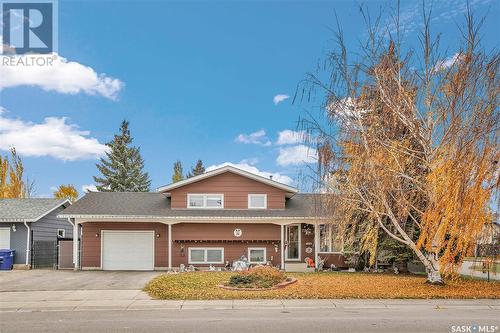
(122, 168)
(197, 170)
(178, 173)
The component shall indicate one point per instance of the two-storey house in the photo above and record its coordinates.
(207, 220)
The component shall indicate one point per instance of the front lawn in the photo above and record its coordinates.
(203, 286)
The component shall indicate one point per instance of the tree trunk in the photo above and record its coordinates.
(431, 266)
(433, 273)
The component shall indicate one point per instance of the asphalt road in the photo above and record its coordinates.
(406, 319)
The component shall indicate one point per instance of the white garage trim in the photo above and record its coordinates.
(146, 263)
(5, 238)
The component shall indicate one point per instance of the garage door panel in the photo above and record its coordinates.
(4, 238)
(127, 250)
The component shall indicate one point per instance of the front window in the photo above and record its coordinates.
(211, 201)
(209, 255)
(257, 255)
(257, 201)
(293, 241)
(328, 239)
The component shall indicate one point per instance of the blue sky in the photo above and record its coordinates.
(196, 80)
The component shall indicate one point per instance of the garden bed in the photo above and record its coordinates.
(283, 284)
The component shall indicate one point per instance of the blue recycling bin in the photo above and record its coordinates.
(6, 259)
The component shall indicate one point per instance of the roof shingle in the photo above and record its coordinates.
(157, 205)
(27, 209)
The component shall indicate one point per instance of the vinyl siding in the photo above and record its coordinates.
(232, 251)
(91, 245)
(45, 229)
(215, 232)
(17, 240)
(235, 189)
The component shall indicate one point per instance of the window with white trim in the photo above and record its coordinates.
(257, 255)
(293, 236)
(206, 255)
(329, 240)
(210, 201)
(257, 201)
(61, 233)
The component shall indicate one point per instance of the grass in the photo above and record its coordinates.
(203, 286)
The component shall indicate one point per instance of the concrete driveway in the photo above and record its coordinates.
(41, 280)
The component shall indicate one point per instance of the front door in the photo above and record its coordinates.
(293, 241)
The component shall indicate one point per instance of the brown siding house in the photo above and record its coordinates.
(208, 220)
(235, 189)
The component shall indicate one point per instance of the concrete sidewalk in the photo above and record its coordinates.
(94, 300)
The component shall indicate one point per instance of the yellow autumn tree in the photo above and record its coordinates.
(4, 168)
(66, 192)
(414, 143)
(12, 184)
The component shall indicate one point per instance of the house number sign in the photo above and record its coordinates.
(237, 232)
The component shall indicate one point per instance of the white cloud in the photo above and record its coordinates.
(289, 137)
(89, 188)
(447, 63)
(296, 155)
(53, 137)
(346, 110)
(256, 138)
(410, 14)
(63, 76)
(252, 169)
(279, 98)
(251, 161)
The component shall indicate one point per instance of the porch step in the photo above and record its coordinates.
(298, 267)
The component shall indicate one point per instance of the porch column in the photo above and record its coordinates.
(75, 245)
(169, 246)
(282, 246)
(316, 244)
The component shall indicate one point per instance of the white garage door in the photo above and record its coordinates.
(4, 238)
(127, 250)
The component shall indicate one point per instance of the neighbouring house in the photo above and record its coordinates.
(207, 220)
(32, 228)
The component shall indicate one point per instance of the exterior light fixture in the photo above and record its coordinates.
(14, 228)
(158, 235)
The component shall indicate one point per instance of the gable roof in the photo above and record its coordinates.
(28, 209)
(153, 205)
(290, 191)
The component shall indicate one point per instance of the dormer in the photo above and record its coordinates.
(228, 188)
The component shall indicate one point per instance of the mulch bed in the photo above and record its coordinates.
(280, 285)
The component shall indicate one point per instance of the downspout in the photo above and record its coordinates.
(28, 244)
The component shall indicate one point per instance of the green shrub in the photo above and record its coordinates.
(240, 279)
(257, 277)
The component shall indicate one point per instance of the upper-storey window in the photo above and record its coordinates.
(257, 201)
(211, 201)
